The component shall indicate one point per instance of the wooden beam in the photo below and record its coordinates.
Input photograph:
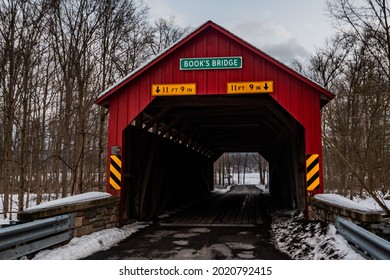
(213, 101)
(168, 127)
(138, 121)
(288, 122)
(156, 118)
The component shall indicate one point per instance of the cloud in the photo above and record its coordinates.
(262, 30)
(286, 51)
(274, 39)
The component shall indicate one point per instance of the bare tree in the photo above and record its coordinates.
(119, 51)
(55, 58)
(244, 167)
(22, 28)
(165, 33)
(8, 72)
(368, 22)
(262, 166)
(237, 162)
(356, 124)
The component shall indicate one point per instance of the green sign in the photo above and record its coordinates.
(208, 63)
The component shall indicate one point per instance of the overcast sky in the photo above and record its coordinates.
(285, 29)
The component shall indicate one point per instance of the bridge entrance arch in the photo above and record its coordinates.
(210, 93)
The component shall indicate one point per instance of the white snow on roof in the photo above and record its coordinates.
(341, 201)
(84, 197)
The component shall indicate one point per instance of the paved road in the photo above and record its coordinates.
(202, 232)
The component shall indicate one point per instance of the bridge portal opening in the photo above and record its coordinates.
(172, 149)
(169, 123)
(241, 169)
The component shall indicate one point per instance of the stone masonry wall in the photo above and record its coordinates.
(91, 216)
(96, 219)
(325, 211)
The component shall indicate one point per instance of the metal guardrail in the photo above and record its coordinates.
(372, 245)
(23, 239)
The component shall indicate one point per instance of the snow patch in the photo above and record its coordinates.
(81, 247)
(84, 197)
(341, 201)
(309, 240)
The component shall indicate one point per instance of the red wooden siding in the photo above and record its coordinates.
(297, 95)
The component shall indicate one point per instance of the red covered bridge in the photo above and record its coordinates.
(210, 93)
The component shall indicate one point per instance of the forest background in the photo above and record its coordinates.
(56, 56)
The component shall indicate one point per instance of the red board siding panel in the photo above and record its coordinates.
(112, 121)
(133, 105)
(300, 98)
(145, 95)
(258, 67)
(112, 136)
(122, 116)
(297, 100)
(282, 90)
(164, 72)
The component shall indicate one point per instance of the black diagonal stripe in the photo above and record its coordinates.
(112, 175)
(112, 187)
(115, 165)
(312, 165)
(315, 188)
(313, 178)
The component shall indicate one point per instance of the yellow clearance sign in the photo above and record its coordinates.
(250, 87)
(173, 89)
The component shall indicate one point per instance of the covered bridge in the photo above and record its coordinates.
(210, 93)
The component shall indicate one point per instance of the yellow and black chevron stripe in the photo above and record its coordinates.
(312, 172)
(115, 172)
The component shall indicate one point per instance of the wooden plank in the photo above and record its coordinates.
(212, 211)
(235, 200)
(229, 210)
(225, 209)
(239, 217)
(259, 219)
(206, 225)
(252, 210)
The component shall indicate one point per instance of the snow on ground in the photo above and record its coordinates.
(48, 204)
(81, 247)
(371, 204)
(29, 201)
(299, 238)
(309, 240)
(223, 190)
(250, 179)
(292, 234)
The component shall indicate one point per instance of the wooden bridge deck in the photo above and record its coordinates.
(242, 206)
(223, 226)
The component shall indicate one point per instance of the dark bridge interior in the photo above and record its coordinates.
(170, 148)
